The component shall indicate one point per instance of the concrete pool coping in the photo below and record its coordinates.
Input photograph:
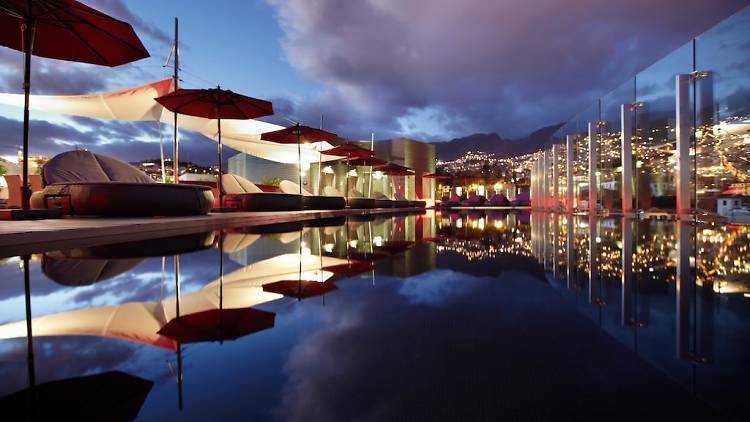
(35, 236)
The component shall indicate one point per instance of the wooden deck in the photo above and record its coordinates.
(26, 237)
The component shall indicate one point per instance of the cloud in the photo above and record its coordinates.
(128, 141)
(446, 68)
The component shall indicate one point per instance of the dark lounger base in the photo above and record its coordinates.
(323, 202)
(266, 201)
(362, 203)
(125, 199)
(384, 203)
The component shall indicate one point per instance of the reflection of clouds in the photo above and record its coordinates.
(381, 357)
(65, 357)
(436, 287)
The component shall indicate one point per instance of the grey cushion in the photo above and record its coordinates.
(85, 166)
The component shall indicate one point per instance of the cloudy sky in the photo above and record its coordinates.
(430, 69)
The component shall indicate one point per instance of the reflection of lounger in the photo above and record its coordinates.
(89, 265)
(245, 195)
(314, 202)
(355, 199)
(84, 183)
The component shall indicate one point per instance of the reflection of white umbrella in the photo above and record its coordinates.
(140, 321)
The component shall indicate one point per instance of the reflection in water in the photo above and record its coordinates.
(267, 302)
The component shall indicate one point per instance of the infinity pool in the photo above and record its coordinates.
(435, 316)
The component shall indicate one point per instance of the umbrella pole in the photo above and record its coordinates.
(221, 285)
(299, 162)
(28, 30)
(175, 83)
(221, 186)
(346, 180)
(31, 394)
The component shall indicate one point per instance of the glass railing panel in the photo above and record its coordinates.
(654, 143)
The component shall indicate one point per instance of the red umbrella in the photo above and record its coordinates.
(349, 151)
(65, 30)
(436, 239)
(215, 103)
(217, 325)
(298, 134)
(436, 176)
(367, 161)
(299, 289)
(393, 169)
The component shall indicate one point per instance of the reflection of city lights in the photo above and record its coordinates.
(377, 241)
(353, 243)
(328, 247)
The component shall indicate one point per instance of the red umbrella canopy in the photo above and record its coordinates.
(217, 325)
(393, 169)
(350, 151)
(436, 176)
(367, 161)
(299, 289)
(215, 103)
(298, 134)
(69, 30)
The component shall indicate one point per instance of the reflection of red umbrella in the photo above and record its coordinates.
(298, 134)
(436, 239)
(65, 30)
(299, 289)
(110, 395)
(350, 268)
(215, 103)
(367, 256)
(395, 246)
(733, 191)
(217, 325)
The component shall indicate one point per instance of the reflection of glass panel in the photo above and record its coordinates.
(723, 110)
(561, 176)
(610, 192)
(654, 138)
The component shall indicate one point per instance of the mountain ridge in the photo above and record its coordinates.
(494, 143)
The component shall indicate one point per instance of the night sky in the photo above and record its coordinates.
(428, 69)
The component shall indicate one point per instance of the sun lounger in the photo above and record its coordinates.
(394, 203)
(314, 202)
(499, 200)
(412, 204)
(245, 195)
(355, 199)
(473, 201)
(84, 183)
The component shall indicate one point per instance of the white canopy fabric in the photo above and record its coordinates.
(141, 321)
(137, 104)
